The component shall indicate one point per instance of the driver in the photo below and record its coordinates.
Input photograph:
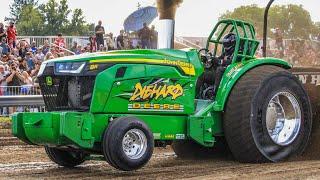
(209, 81)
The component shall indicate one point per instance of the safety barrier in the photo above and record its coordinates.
(20, 99)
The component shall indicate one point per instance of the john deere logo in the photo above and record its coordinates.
(49, 81)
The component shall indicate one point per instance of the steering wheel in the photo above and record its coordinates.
(206, 57)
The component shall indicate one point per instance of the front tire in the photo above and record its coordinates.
(128, 143)
(65, 158)
(268, 116)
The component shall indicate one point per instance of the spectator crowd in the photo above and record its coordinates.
(298, 52)
(20, 60)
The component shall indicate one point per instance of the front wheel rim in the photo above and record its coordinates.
(283, 118)
(134, 144)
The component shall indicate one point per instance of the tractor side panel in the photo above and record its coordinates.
(162, 91)
(235, 71)
(106, 80)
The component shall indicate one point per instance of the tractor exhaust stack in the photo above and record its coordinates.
(167, 11)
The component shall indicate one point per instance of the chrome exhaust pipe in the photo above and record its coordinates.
(167, 11)
(166, 34)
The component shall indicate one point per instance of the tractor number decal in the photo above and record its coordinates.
(156, 91)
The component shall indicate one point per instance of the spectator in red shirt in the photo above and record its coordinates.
(60, 44)
(12, 35)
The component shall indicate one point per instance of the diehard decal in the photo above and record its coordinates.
(156, 95)
(156, 91)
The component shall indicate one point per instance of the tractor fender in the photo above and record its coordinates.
(235, 71)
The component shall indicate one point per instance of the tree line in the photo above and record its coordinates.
(293, 20)
(33, 18)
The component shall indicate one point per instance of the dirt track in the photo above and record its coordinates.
(27, 162)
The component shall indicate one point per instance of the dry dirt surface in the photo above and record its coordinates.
(28, 162)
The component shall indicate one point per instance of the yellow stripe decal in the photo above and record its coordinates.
(187, 68)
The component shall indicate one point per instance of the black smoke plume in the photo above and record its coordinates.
(167, 8)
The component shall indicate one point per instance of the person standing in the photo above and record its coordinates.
(120, 40)
(14, 78)
(99, 30)
(93, 44)
(3, 88)
(154, 37)
(3, 82)
(279, 39)
(33, 47)
(22, 46)
(39, 57)
(12, 35)
(2, 31)
(5, 47)
(60, 44)
(110, 42)
(74, 47)
(279, 42)
(144, 35)
(29, 61)
(46, 47)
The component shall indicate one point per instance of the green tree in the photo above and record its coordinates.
(30, 22)
(17, 6)
(49, 18)
(56, 16)
(293, 20)
(56, 19)
(251, 13)
(78, 25)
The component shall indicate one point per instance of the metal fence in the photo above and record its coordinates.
(40, 40)
(20, 99)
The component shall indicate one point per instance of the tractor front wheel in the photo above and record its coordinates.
(268, 116)
(128, 143)
(64, 157)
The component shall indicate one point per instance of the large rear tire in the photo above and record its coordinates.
(65, 158)
(268, 116)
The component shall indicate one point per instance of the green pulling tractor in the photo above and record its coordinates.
(122, 104)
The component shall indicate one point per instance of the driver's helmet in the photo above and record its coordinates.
(229, 43)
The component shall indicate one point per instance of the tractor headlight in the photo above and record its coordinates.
(69, 67)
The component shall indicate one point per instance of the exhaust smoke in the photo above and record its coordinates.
(167, 11)
(167, 8)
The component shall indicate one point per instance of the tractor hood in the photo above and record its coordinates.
(73, 65)
(73, 82)
(128, 54)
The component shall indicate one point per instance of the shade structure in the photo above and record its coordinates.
(134, 21)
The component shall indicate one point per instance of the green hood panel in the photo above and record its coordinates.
(170, 54)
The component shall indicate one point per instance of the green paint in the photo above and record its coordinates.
(158, 87)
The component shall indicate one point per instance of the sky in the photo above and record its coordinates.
(193, 18)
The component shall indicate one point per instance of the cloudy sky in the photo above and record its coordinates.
(194, 17)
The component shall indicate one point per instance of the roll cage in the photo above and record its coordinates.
(246, 42)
